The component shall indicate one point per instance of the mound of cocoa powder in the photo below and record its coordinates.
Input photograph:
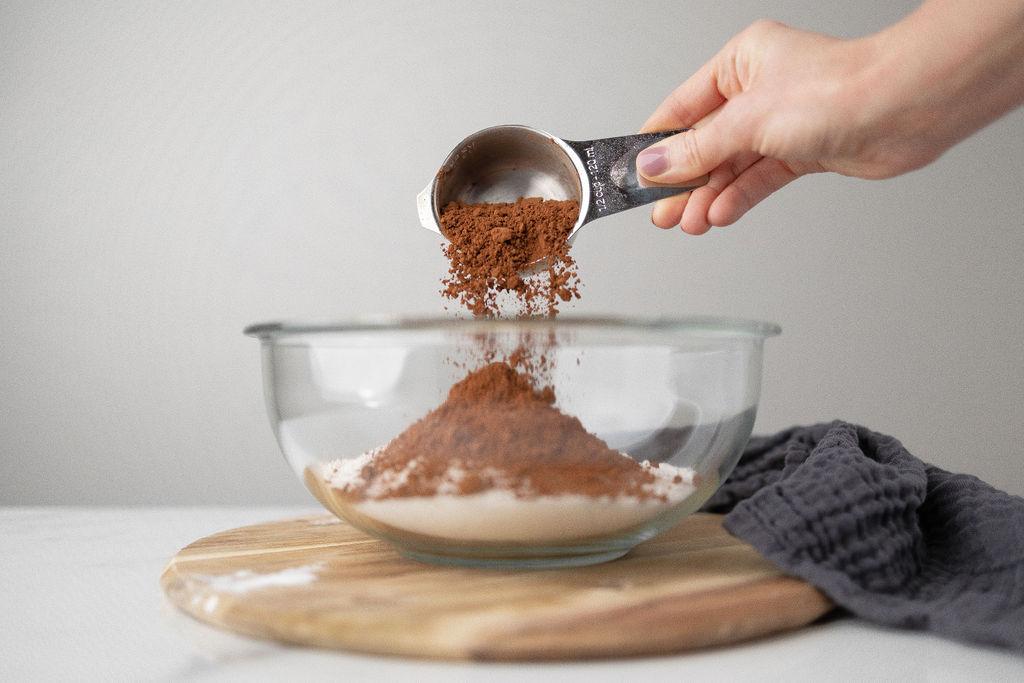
(495, 431)
(491, 246)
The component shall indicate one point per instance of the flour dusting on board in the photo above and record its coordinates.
(246, 580)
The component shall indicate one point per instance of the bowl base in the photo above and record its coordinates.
(514, 562)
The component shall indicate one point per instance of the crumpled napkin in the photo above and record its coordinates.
(884, 535)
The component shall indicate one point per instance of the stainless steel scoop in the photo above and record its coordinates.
(504, 163)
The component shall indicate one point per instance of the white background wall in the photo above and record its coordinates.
(172, 171)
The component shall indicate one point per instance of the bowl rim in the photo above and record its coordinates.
(696, 325)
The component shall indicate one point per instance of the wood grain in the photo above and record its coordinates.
(317, 581)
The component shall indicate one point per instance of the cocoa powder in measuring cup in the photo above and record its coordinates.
(512, 255)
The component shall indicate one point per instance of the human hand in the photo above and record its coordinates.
(777, 103)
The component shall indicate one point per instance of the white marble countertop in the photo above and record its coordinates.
(80, 600)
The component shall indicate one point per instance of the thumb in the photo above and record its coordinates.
(688, 154)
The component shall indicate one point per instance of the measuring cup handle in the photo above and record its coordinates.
(611, 170)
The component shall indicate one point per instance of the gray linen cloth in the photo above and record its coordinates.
(884, 535)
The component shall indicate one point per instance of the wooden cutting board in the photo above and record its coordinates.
(317, 581)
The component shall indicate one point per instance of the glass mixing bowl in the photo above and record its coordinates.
(513, 443)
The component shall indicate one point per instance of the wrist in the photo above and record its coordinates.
(952, 68)
(931, 80)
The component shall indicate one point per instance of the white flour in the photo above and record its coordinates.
(500, 515)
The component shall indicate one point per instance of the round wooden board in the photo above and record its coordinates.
(317, 581)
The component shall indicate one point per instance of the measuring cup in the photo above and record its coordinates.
(504, 163)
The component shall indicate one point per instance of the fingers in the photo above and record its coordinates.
(694, 102)
(732, 190)
(687, 104)
(690, 210)
(667, 213)
(696, 217)
(748, 189)
(691, 154)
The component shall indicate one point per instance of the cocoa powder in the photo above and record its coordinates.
(496, 431)
(515, 249)
(499, 427)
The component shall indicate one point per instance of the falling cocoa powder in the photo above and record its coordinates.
(499, 429)
(495, 431)
(515, 249)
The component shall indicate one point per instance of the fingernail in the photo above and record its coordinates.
(652, 161)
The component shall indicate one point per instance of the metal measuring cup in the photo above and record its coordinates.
(504, 163)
